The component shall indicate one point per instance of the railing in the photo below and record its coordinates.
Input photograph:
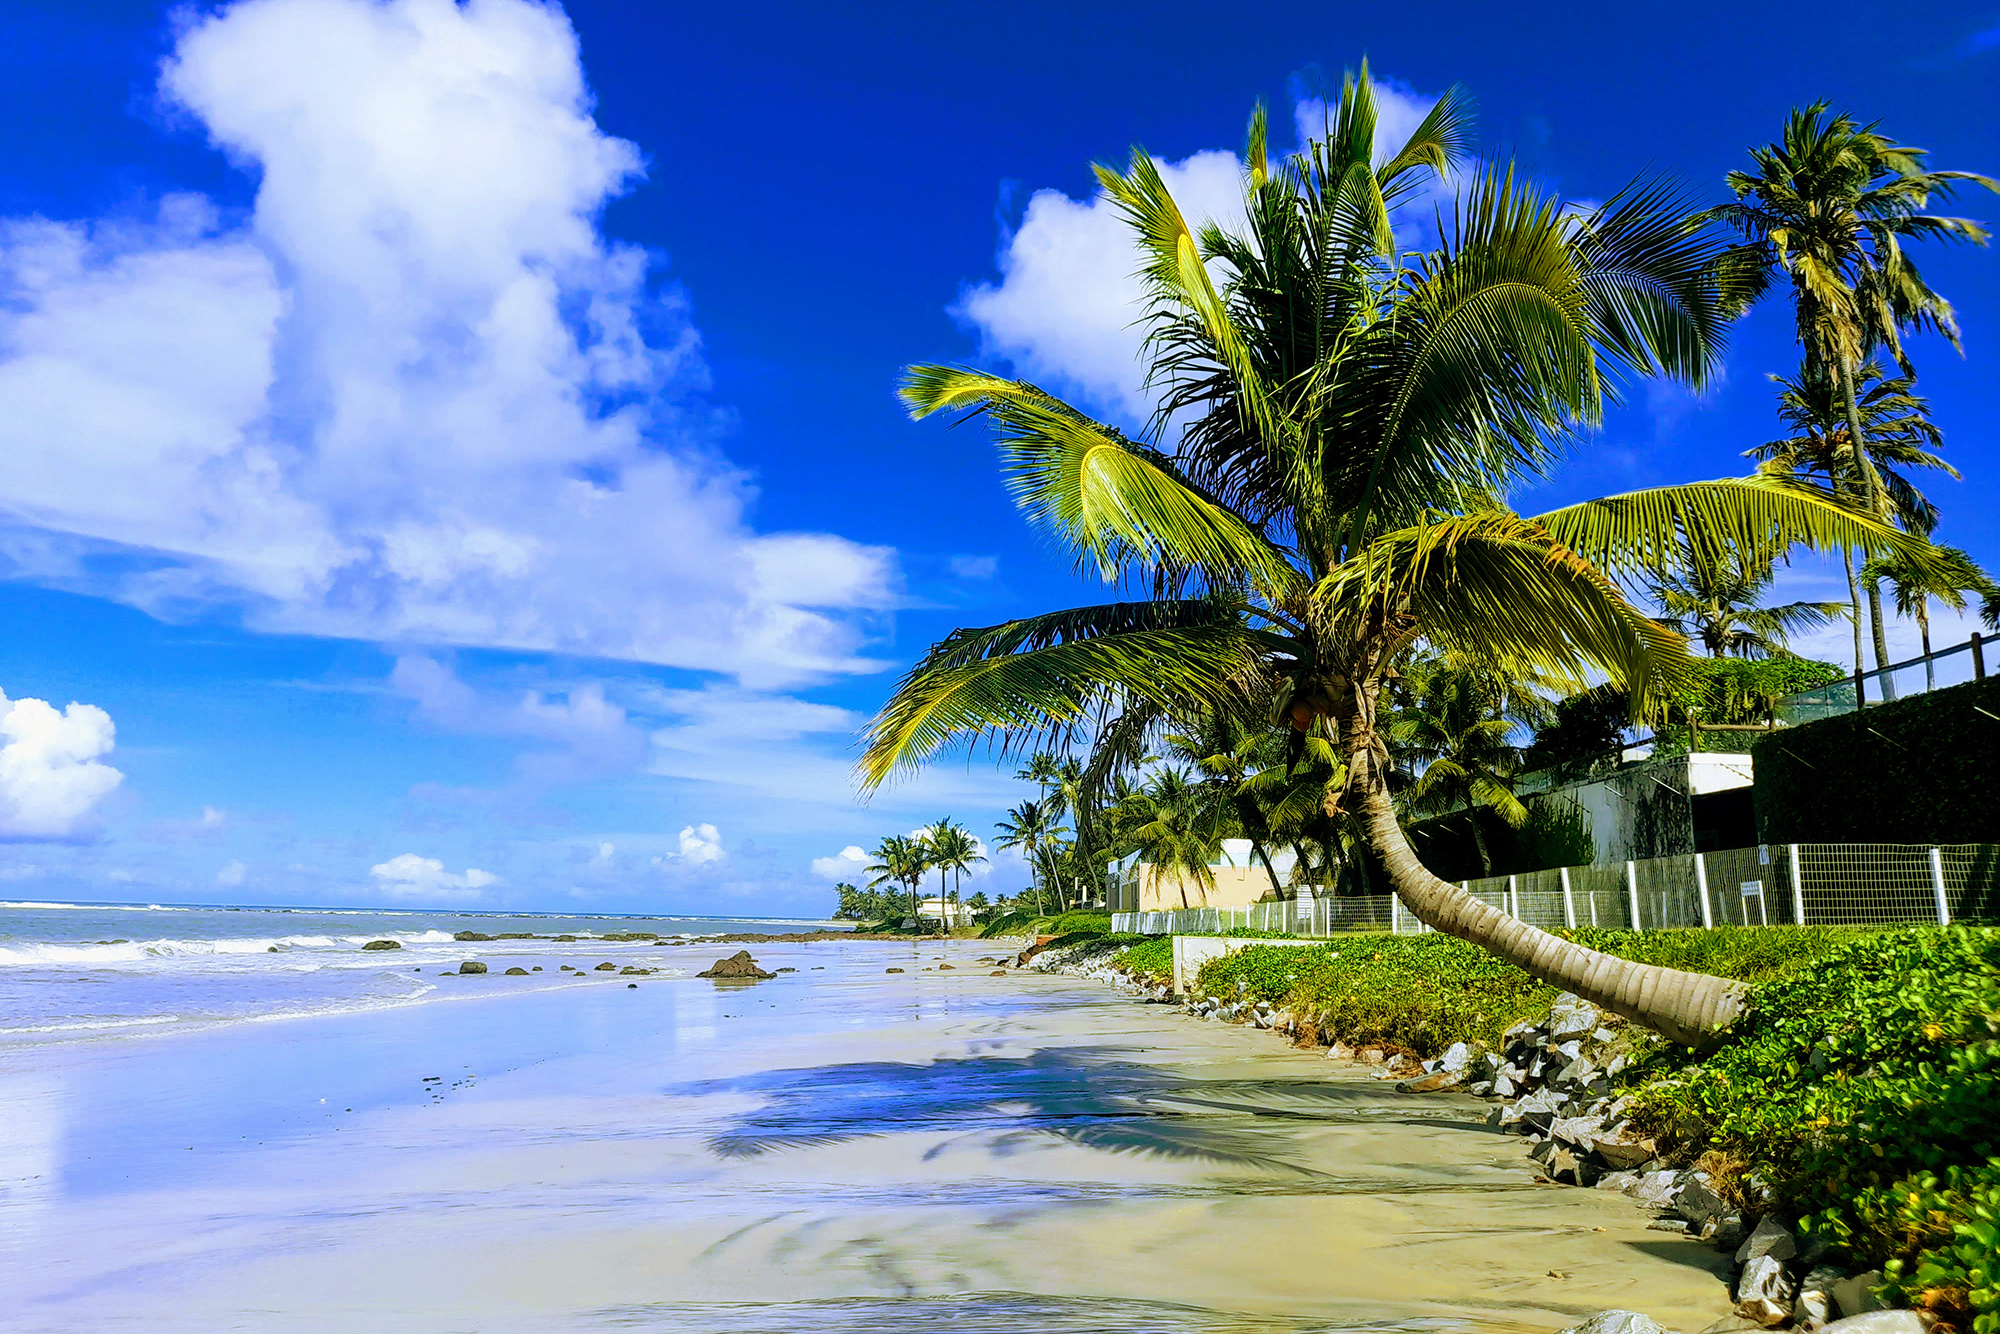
(1772, 885)
(1955, 666)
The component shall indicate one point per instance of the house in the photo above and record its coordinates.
(1238, 877)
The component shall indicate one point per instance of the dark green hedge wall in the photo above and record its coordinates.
(1920, 770)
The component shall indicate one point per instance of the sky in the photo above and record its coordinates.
(448, 452)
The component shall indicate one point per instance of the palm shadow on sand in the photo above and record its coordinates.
(1096, 1097)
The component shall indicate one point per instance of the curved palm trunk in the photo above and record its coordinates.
(1871, 494)
(1689, 1008)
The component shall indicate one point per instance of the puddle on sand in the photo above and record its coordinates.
(980, 1313)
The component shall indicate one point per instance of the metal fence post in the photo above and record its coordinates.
(1514, 897)
(1701, 888)
(1798, 887)
(1937, 886)
(1632, 891)
(1395, 916)
(1569, 902)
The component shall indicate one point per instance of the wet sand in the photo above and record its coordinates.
(835, 1150)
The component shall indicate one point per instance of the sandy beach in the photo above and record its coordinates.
(837, 1149)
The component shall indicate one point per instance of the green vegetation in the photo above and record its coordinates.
(1151, 958)
(1864, 1094)
(1426, 992)
(1031, 923)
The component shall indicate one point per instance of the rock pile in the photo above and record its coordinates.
(737, 967)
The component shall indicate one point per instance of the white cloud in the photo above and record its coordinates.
(51, 777)
(849, 864)
(1065, 307)
(587, 735)
(232, 875)
(412, 877)
(701, 844)
(412, 395)
(975, 567)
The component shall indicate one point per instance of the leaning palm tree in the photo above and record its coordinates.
(1719, 605)
(1833, 207)
(1897, 435)
(1344, 424)
(1453, 731)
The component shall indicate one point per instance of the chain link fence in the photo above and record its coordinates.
(1781, 884)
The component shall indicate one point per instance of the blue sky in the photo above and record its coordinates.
(449, 456)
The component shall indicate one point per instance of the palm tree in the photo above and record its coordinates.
(1176, 824)
(1451, 729)
(1896, 435)
(1953, 575)
(952, 848)
(1833, 207)
(1345, 423)
(900, 861)
(1716, 604)
(1032, 829)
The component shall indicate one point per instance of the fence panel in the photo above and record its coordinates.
(1865, 883)
(1667, 892)
(1972, 881)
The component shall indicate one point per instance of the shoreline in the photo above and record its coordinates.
(832, 1148)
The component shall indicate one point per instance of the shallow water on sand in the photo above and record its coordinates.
(834, 1150)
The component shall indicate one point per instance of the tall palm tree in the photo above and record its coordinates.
(1031, 829)
(1954, 575)
(1177, 825)
(953, 849)
(1453, 730)
(1718, 605)
(1833, 207)
(900, 861)
(1345, 423)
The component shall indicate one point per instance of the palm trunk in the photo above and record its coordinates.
(1479, 841)
(1854, 602)
(1871, 496)
(1688, 1008)
(1924, 631)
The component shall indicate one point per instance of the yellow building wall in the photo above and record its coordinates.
(1234, 887)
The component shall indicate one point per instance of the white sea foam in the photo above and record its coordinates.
(80, 1025)
(44, 954)
(95, 907)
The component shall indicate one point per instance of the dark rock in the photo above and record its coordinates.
(631, 986)
(635, 972)
(788, 970)
(472, 966)
(1696, 1202)
(537, 968)
(270, 949)
(998, 972)
(1771, 1238)
(470, 935)
(892, 970)
(946, 967)
(1855, 1296)
(383, 945)
(1814, 1306)
(517, 972)
(515, 935)
(737, 966)
(569, 939)
(607, 967)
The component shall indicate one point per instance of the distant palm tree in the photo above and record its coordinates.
(1031, 829)
(1715, 602)
(1896, 435)
(1452, 732)
(1177, 825)
(900, 861)
(952, 848)
(1832, 207)
(1949, 580)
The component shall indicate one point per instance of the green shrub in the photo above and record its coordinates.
(1152, 957)
(1864, 1093)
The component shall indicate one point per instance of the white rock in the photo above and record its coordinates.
(1618, 1322)
(1764, 1292)
(1814, 1306)
(1456, 1057)
(1697, 1203)
(1878, 1322)
(1771, 1238)
(1853, 1297)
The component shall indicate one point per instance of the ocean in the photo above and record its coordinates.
(74, 972)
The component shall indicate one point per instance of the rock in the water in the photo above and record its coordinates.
(517, 972)
(1618, 1322)
(631, 986)
(606, 967)
(1814, 1305)
(1764, 1292)
(946, 967)
(737, 966)
(998, 972)
(892, 970)
(470, 935)
(1878, 1322)
(538, 968)
(1771, 1238)
(472, 966)
(788, 970)
(1855, 1296)
(570, 939)
(383, 945)
(629, 971)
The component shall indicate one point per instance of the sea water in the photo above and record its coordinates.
(84, 971)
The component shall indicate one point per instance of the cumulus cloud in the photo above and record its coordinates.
(232, 875)
(585, 734)
(849, 865)
(415, 394)
(51, 776)
(700, 844)
(412, 877)
(1065, 306)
